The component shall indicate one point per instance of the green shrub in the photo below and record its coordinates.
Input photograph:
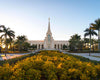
(50, 65)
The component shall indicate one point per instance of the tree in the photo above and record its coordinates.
(96, 26)
(20, 41)
(74, 42)
(7, 34)
(64, 46)
(1, 40)
(94, 42)
(89, 32)
(33, 46)
(81, 44)
(86, 40)
(26, 46)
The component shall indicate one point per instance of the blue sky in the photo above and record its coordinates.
(30, 17)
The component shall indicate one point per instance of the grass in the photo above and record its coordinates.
(85, 59)
(84, 51)
(96, 56)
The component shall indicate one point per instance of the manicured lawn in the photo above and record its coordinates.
(84, 59)
(96, 56)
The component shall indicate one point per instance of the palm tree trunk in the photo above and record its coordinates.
(6, 45)
(90, 45)
(0, 45)
(6, 48)
(99, 39)
(10, 47)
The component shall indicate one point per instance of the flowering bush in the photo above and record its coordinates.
(50, 65)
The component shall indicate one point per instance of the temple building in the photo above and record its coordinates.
(49, 42)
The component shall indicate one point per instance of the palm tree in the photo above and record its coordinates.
(96, 26)
(1, 40)
(94, 42)
(89, 32)
(7, 33)
(20, 40)
(9, 41)
(86, 40)
(74, 42)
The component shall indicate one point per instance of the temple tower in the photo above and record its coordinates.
(49, 41)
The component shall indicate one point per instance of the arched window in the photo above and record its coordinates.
(55, 46)
(61, 46)
(42, 46)
(39, 46)
(58, 46)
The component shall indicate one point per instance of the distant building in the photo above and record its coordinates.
(49, 42)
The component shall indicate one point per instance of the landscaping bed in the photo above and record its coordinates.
(50, 65)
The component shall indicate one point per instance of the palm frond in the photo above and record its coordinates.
(86, 34)
(94, 33)
(86, 30)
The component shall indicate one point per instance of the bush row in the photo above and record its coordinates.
(50, 65)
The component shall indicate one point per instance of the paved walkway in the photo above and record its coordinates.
(86, 55)
(10, 56)
(14, 55)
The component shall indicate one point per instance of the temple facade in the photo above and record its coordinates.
(49, 42)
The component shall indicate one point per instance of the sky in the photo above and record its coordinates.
(67, 17)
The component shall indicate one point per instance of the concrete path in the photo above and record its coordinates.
(14, 55)
(10, 56)
(86, 55)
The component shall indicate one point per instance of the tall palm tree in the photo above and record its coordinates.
(96, 26)
(1, 40)
(7, 33)
(89, 32)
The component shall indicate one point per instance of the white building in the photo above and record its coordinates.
(49, 42)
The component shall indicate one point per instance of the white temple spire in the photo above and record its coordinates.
(49, 31)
